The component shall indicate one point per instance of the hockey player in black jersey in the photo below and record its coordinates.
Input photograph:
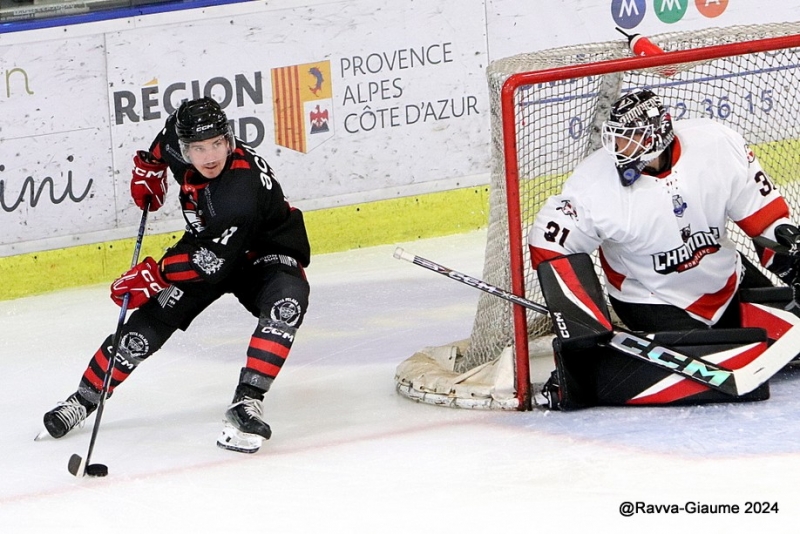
(242, 237)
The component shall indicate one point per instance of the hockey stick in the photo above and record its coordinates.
(732, 382)
(78, 466)
(774, 245)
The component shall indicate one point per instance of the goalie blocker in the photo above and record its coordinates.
(590, 372)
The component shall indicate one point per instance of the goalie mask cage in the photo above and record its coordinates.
(547, 110)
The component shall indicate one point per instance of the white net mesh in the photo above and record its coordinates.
(557, 124)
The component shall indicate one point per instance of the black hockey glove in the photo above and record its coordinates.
(789, 236)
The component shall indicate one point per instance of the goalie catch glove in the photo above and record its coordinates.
(789, 236)
(786, 261)
(781, 255)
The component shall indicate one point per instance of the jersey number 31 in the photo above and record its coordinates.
(555, 233)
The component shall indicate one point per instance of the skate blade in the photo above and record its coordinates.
(232, 439)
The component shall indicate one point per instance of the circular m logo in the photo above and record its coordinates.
(670, 11)
(628, 13)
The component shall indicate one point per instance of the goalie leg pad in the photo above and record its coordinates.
(602, 377)
(575, 299)
(767, 308)
(571, 385)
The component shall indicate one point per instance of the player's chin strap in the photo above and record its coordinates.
(629, 172)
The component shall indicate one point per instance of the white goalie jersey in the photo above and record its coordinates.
(663, 239)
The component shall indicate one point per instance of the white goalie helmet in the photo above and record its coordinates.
(637, 131)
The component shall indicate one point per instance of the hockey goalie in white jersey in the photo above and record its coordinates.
(655, 202)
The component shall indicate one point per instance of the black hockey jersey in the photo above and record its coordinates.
(240, 214)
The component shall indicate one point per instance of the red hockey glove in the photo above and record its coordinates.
(142, 282)
(149, 181)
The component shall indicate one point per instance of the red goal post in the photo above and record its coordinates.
(547, 108)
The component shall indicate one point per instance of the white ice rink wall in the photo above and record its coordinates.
(351, 102)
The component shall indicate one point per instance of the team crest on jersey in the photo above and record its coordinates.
(678, 206)
(286, 311)
(686, 233)
(194, 223)
(207, 261)
(695, 247)
(568, 209)
(751, 156)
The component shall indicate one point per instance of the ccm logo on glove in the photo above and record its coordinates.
(149, 181)
(142, 282)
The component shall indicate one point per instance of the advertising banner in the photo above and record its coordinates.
(345, 99)
(52, 186)
(518, 26)
(56, 171)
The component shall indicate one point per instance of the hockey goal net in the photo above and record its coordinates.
(547, 109)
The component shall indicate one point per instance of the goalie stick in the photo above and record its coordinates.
(77, 465)
(732, 382)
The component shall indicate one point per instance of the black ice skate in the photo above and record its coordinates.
(67, 415)
(244, 429)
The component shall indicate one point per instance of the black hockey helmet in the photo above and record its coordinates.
(201, 119)
(641, 122)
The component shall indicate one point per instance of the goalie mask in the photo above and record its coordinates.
(637, 131)
(201, 119)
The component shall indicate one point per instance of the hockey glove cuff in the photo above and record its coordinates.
(786, 265)
(142, 282)
(149, 181)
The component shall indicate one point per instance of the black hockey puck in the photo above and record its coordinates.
(97, 470)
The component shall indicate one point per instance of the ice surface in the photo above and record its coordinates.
(348, 454)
